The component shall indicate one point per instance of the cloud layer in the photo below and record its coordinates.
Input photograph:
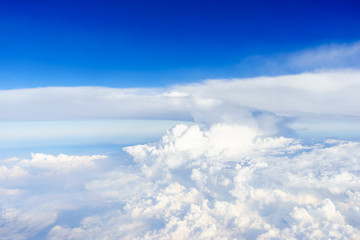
(232, 174)
(268, 103)
(221, 181)
(331, 93)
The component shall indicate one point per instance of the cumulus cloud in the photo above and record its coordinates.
(61, 163)
(225, 176)
(34, 192)
(18, 224)
(14, 172)
(221, 181)
(184, 144)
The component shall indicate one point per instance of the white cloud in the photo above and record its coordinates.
(5, 191)
(331, 93)
(14, 172)
(323, 57)
(225, 176)
(33, 192)
(187, 144)
(12, 159)
(191, 186)
(268, 103)
(74, 103)
(19, 224)
(327, 56)
(321, 93)
(61, 163)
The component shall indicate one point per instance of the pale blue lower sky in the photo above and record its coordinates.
(346, 129)
(20, 138)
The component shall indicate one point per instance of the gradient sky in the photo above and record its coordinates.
(158, 43)
(179, 119)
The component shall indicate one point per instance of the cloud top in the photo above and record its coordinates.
(191, 186)
(220, 181)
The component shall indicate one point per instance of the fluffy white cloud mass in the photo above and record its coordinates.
(223, 181)
(60, 163)
(233, 174)
(14, 172)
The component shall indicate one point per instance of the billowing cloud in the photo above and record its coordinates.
(60, 163)
(221, 181)
(229, 174)
(19, 224)
(34, 191)
(14, 172)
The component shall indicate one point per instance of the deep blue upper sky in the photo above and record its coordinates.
(156, 43)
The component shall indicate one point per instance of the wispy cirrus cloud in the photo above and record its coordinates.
(332, 56)
(324, 57)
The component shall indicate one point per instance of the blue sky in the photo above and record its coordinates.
(167, 45)
(179, 120)
(160, 43)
